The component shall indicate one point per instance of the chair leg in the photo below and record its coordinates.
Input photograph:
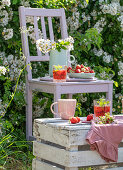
(28, 114)
(109, 96)
(57, 96)
(69, 96)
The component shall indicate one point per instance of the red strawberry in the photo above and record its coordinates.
(78, 67)
(89, 68)
(78, 71)
(90, 117)
(68, 69)
(91, 71)
(82, 66)
(73, 120)
(78, 119)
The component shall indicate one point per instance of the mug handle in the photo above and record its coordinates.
(52, 106)
(72, 60)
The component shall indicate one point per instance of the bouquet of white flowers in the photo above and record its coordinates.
(46, 46)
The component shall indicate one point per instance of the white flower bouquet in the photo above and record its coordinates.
(2, 70)
(46, 46)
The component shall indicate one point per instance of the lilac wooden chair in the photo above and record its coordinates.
(57, 89)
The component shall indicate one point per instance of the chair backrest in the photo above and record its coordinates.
(40, 13)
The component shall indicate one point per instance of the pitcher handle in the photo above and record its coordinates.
(72, 60)
(52, 106)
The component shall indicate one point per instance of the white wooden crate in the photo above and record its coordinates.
(60, 145)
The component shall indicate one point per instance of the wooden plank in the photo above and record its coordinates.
(53, 154)
(28, 112)
(99, 82)
(44, 132)
(36, 33)
(116, 168)
(42, 12)
(39, 165)
(60, 135)
(69, 87)
(43, 28)
(24, 39)
(84, 89)
(37, 58)
(50, 28)
(42, 87)
(70, 158)
(63, 24)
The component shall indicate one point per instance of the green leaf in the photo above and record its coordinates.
(14, 2)
(116, 83)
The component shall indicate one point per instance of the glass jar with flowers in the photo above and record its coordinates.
(59, 51)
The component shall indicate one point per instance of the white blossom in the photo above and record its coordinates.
(120, 73)
(6, 3)
(83, 4)
(100, 24)
(7, 33)
(10, 58)
(2, 70)
(107, 58)
(25, 3)
(102, 74)
(2, 55)
(30, 19)
(112, 8)
(31, 34)
(4, 17)
(120, 65)
(73, 22)
(98, 52)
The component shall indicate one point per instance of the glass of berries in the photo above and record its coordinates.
(59, 73)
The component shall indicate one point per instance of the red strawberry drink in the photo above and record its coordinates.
(99, 111)
(107, 107)
(59, 73)
(101, 107)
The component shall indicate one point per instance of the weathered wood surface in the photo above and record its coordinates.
(116, 168)
(61, 131)
(64, 144)
(70, 158)
(40, 165)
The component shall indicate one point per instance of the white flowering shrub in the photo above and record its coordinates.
(104, 15)
(86, 22)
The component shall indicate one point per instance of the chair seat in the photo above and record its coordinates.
(70, 87)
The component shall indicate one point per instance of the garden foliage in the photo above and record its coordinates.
(86, 22)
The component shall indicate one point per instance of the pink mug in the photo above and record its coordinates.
(66, 108)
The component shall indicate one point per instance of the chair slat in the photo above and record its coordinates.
(43, 28)
(36, 33)
(42, 12)
(63, 24)
(38, 58)
(44, 34)
(50, 28)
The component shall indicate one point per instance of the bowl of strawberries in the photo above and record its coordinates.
(80, 71)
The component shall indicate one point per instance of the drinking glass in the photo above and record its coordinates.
(101, 108)
(59, 73)
(98, 110)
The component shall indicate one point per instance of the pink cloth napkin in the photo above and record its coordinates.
(105, 139)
